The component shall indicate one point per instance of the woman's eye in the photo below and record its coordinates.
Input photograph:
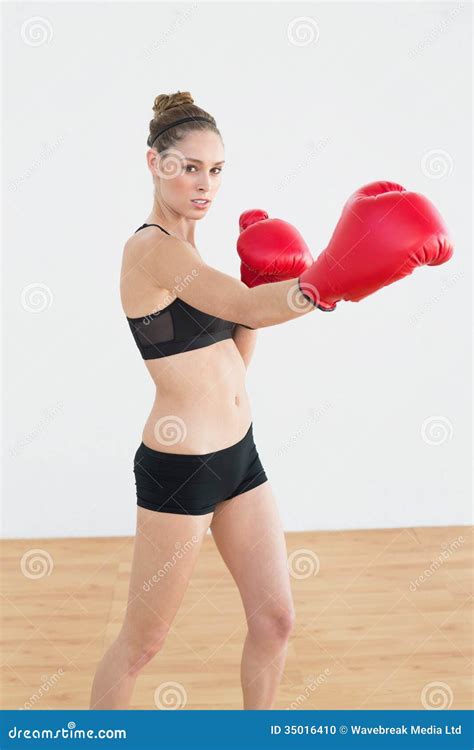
(192, 166)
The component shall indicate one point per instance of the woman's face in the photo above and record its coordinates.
(191, 170)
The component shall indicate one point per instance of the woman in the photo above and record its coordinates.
(197, 465)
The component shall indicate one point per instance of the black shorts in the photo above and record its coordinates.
(192, 484)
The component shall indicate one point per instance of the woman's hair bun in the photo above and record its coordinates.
(164, 102)
(166, 129)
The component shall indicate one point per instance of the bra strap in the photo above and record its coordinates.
(151, 225)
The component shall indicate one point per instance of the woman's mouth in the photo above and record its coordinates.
(201, 202)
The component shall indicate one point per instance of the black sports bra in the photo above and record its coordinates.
(176, 328)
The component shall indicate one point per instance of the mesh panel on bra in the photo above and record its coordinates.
(154, 329)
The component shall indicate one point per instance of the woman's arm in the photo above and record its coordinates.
(245, 339)
(173, 265)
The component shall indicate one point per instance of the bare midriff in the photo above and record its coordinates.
(201, 404)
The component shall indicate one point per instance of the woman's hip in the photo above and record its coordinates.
(195, 483)
(198, 428)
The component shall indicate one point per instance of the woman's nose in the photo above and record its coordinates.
(204, 183)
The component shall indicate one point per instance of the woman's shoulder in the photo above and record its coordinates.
(147, 240)
(146, 234)
(139, 288)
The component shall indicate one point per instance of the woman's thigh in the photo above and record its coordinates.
(165, 551)
(249, 535)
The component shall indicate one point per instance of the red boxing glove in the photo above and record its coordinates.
(270, 249)
(384, 233)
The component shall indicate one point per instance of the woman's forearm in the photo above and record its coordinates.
(276, 303)
(245, 341)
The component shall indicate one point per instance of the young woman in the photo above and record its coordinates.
(197, 465)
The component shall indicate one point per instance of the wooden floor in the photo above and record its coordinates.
(369, 633)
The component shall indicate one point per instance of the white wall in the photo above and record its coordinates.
(376, 91)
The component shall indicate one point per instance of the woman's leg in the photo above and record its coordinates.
(165, 552)
(248, 533)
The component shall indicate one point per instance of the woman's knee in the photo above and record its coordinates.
(273, 624)
(139, 649)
